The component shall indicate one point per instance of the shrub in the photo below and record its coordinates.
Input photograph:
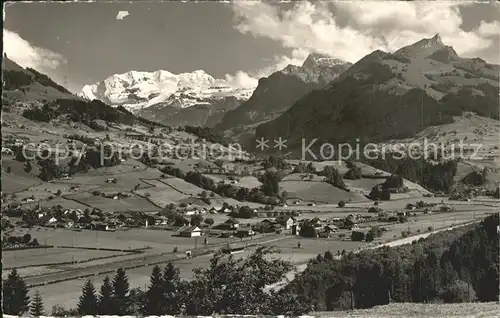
(357, 236)
(369, 236)
(341, 204)
(458, 292)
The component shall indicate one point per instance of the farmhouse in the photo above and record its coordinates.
(156, 220)
(286, 221)
(296, 229)
(213, 211)
(233, 223)
(191, 212)
(49, 220)
(245, 231)
(41, 214)
(100, 226)
(125, 216)
(330, 229)
(189, 231)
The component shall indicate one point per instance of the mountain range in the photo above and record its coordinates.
(165, 97)
(198, 99)
(391, 95)
(384, 95)
(276, 93)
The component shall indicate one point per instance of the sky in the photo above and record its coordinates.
(83, 43)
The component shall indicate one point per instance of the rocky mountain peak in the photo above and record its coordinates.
(423, 47)
(315, 60)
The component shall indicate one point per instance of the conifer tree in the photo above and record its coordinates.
(37, 309)
(171, 290)
(87, 305)
(15, 295)
(105, 305)
(121, 288)
(155, 295)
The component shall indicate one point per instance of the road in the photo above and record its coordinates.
(300, 268)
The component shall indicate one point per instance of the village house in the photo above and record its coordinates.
(233, 223)
(213, 211)
(286, 221)
(28, 200)
(100, 226)
(329, 230)
(65, 223)
(189, 231)
(296, 229)
(125, 216)
(244, 231)
(115, 223)
(349, 224)
(191, 211)
(49, 220)
(156, 220)
(41, 214)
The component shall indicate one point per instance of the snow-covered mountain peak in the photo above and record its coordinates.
(138, 89)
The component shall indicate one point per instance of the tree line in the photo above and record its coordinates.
(430, 175)
(450, 266)
(268, 193)
(226, 286)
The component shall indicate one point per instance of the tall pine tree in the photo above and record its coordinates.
(171, 290)
(36, 308)
(15, 295)
(121, 288)
(87, 304)
(105, 306)
(155, 295)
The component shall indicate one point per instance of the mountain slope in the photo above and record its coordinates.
(28, 84)
(34, 96)
(276, 93)
(385, 96)
(165, 97)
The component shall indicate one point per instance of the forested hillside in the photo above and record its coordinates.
(451, 266)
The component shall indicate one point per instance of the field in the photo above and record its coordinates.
(320, 192)
(135, 203)
(139, 277)
(17, 180)
(158, 240)
(245, 182)
(36, 257)
(419, 310)
(183, 186)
